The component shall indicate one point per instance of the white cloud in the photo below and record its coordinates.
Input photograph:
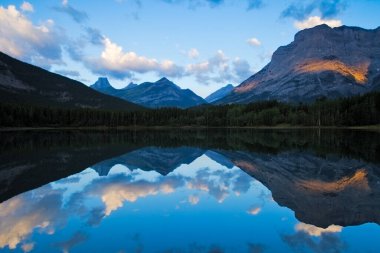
(21, 215)
(254, 42)
(65, 2)
(254, 210)
(193, 53)
(27, 7)
(27, 247)
(23, 39)
(317, 231)
(219, 68)
(316, 20)
(114, 61)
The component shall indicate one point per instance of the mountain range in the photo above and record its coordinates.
(320, 62)
(162, 93)
(22, 83)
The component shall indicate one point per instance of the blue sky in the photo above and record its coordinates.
(199, 44)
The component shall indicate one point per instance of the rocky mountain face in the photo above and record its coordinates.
(321, 191)
(162, 93)
(219, 94)
(320, 62)
(103, 85)
(22, 83)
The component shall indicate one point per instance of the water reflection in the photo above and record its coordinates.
(203, 192)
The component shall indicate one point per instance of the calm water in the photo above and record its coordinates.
(190, 191)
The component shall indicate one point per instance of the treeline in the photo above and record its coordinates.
(354, 111)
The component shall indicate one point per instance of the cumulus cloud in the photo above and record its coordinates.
(317, 231)
(27, 247)
(27, 7)
(193, 53)
(315, 20)
(219, 68)
(327, 243)
(326, 8)
(39, 44)
(115, 191)
(215, 183)
(22, 214)
(254, 210)
(254, 42)
(115, 62)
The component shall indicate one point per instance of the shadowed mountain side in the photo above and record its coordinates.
(162, 93)
(321, 191)
(22, 83)
(30, 160)
(320, 62)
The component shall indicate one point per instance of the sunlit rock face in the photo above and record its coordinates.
(320, 62)
(321, 191)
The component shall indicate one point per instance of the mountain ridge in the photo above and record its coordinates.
(320, 62)
(23, 83)
(162, 93)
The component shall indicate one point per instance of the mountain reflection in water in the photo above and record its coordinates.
(190, 191)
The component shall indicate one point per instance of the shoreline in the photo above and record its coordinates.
(121, 128)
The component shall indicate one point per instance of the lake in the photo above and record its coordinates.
(210, 190)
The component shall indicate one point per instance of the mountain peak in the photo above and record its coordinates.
(101, 83)
(164, 79)
(320, 62)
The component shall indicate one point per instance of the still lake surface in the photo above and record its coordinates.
(190, 191)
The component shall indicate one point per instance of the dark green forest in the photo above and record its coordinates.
(354, 111)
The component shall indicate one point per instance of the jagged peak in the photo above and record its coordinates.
(102, 82)
(326, 28)
(163, 79)
(166, 81)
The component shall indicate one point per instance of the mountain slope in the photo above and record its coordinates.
(219, 94)
(162, 93)
(320, 62)
(103, 85)
(22, 83)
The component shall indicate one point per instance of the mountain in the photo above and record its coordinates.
(22, 83)
(320, 190)
(161, 160)
(219, 94)
(162, 93)
(320, 62)
(130, 86)
(103, 85)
